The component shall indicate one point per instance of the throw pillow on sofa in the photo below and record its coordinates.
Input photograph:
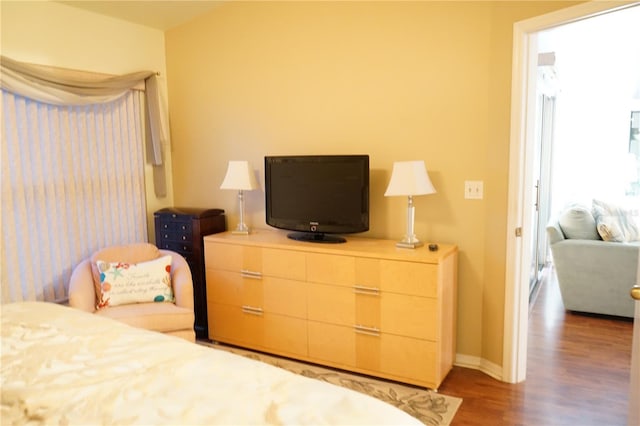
(616, 223)
(577, 222)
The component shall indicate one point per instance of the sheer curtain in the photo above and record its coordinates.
(72, 182)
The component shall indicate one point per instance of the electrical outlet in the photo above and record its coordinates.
(473, 189)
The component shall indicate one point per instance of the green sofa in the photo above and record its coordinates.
(595, 276)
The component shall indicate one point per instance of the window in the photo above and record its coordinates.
(72, 182)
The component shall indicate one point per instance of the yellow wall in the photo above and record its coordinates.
(396, 80)
(54, 34)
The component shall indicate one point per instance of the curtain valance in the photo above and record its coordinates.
(43, 85)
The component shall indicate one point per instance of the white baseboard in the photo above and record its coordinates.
(476, 363)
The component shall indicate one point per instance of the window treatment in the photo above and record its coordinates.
(56, 88)
(72, 170)
(72, 182)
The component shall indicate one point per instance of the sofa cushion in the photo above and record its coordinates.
(617, 223)
(577, 222)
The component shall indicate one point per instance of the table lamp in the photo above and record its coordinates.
(240, 177)
(409, 178)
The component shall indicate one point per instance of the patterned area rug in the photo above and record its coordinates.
(431, 408)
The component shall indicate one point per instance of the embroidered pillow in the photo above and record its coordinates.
(615, 223)
(123, 283)
(129, 253)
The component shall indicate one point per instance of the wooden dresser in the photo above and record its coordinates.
(364, 305)
(181, 229)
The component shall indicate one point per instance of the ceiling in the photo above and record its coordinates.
(160, 15)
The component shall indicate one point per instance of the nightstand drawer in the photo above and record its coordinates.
(170, 226)
(179, 236)
(177, 247)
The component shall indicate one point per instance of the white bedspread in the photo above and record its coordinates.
(64, 366)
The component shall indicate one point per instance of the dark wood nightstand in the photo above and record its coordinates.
(181, 230)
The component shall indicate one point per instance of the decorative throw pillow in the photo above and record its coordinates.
(129, 253)
(616, 223)
(577, 222)
(122, 283)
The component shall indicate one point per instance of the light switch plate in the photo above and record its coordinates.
(473, 189)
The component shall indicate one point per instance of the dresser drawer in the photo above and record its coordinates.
(266, 294)
(408, 358)
(227, 257)
(398, 357)
(332, 343)
(402, 277)
(390, 313)
(228, 323)
(256, 261)
(419, 279)
(331, 269)
(284, 264)
(258, 330)
(331, 304)
(409, 316)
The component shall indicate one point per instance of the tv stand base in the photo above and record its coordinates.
(314, 237)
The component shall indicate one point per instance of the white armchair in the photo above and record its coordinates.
(170, 318)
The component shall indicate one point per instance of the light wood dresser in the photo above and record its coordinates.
(364, 305)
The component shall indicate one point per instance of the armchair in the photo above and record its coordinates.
(175, 318)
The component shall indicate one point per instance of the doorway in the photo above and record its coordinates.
(520, 235)
(546, 91)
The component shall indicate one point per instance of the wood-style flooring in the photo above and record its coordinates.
(577, 372)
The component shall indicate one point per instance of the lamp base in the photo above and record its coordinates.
(411, 245)
(241, 229)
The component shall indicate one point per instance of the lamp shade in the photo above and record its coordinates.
(239, 176)
(409, 178)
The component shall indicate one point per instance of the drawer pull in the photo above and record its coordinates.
(251, 274)
(361, 289)
(251, 310)
(371, 331)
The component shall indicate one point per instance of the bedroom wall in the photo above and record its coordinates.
(54, 34)
(396, 80)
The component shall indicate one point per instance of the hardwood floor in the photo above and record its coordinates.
(577, 372)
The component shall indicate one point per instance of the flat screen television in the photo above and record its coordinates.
(318, 197)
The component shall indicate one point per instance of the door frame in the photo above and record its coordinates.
(523, 94)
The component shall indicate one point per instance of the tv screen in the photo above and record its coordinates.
(317, 195)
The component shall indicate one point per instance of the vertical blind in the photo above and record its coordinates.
(72, 182)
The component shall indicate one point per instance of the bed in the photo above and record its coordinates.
(65, 366)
